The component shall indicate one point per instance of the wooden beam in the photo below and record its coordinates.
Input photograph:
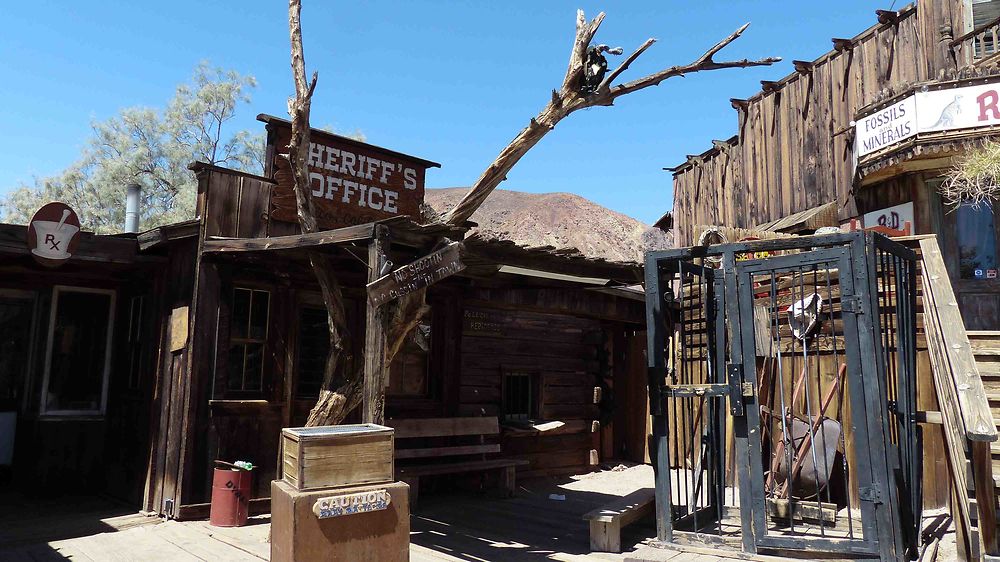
(842, 44)
(376, 326)
(356, 233)
(769, 86)
(803, 66)
(887, 17)
(738, 103)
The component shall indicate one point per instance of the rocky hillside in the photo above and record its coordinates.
(563, 220)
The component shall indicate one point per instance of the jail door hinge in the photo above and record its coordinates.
(870, 494)
(852, 304)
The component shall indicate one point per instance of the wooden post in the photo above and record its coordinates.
(376, 324)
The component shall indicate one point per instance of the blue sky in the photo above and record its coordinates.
(451, 82)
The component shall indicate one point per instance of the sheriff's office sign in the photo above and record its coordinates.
(422, 273)
(351, 182)
(53, 233)
(930, 111)
(350, 504)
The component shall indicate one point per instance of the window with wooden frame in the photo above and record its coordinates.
(521, 396)
(78, 355)
(249, 318)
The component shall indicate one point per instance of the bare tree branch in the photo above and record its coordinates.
(572, 97)
(627, 62)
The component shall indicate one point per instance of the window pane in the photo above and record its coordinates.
(253, 366)
(237, 352)
(977, 254)
(314, 345)
(258, 314)
(517, 396)
(241, 313)
(78, 353)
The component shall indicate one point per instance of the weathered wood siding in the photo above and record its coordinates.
(562, 351)
(787, 155)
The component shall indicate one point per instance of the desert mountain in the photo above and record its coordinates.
(562, 220)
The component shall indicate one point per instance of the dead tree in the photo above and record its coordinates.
(574, 95)
(580, 89)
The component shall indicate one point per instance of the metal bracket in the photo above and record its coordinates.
(852, 304)
(870, 494)
(737, 389)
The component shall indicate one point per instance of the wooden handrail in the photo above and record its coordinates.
(965, 410)
(958, 363)
(974, 32)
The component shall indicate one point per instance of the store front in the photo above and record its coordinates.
(901, 179)
(75, 364)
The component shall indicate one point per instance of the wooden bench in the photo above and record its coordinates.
(450, 446)
(606, 522)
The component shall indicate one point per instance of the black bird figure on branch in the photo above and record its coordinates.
(596, 67)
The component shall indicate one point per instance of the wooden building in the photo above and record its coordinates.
(233, 333)
(862, 133)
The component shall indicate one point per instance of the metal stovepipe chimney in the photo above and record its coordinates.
(132, 193)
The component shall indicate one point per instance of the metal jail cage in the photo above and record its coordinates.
(782, 383)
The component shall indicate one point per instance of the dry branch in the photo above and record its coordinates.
(571, 97)
(333, 403)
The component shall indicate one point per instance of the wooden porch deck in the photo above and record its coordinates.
(449, 527)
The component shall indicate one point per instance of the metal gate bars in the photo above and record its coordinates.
(782, 378)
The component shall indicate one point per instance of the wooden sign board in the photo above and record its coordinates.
(422, 273)
(352, 182)
(349, 504)
(482, 322)
(178, 328)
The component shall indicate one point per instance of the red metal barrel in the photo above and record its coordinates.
(230, 497)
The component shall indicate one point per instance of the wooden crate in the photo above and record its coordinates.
(337, 455)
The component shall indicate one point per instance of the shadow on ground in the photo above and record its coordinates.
(531, 526)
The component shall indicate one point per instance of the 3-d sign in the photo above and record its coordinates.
(351, 182)
(52, 234)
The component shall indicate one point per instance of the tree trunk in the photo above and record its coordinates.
(403, 315)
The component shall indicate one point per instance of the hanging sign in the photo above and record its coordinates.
(53, 233)
(422, 273)
(351, 182)
(349, 504)
(894, 217)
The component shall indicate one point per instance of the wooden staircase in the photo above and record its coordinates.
(986, 348)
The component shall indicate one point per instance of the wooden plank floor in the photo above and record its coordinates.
(544, 522)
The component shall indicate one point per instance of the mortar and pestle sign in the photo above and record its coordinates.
(53, 234)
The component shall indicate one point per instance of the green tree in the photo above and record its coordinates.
(152, 148)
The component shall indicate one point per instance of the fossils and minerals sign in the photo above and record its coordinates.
(414, 276)
(930, 111)
(349, 504)
(351, 182)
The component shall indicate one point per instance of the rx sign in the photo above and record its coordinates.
(53, 233)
